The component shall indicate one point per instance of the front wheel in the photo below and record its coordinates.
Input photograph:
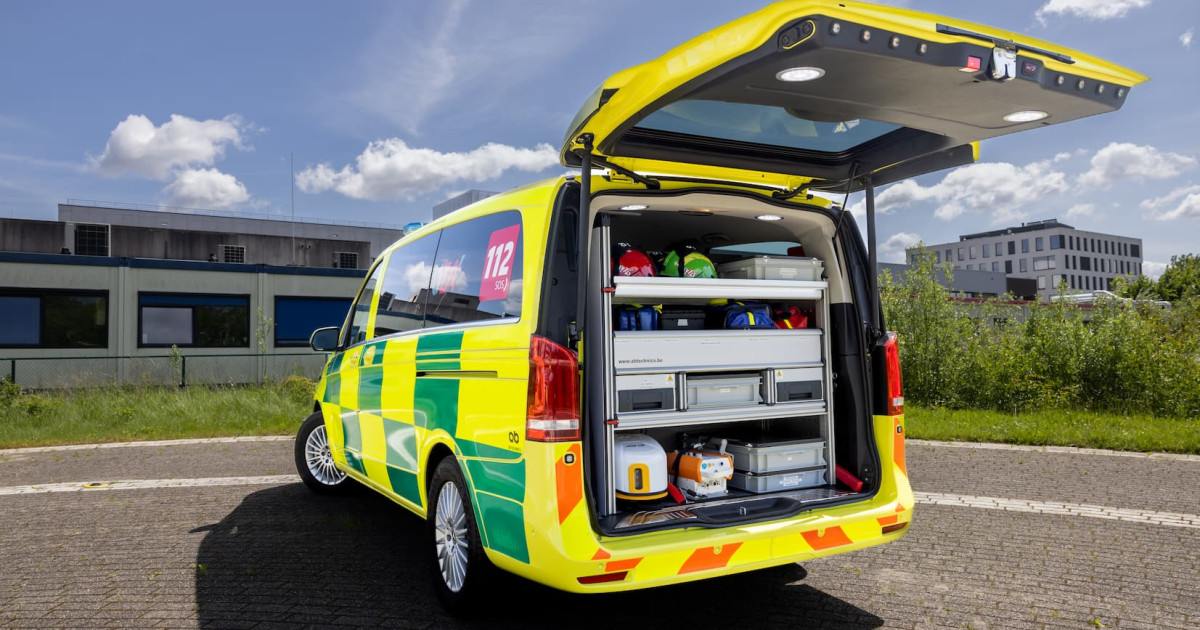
(314, 460)
(459, 564)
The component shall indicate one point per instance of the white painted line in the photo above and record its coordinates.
(1070, 450)
(146, 484)
(1151, 517)
(88, 447)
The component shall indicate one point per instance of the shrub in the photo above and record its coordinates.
(299, 388)
(1001, 355)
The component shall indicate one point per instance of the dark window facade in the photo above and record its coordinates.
(297, 317)
(1135, 250)
(1008, 266)
(347, 260)
(1024, 246)
(46, 318)
(478, 271)
(233, 253)
(1012, 248)
(1085, 264)
(91, 239)
(193, 320)
(1056, 242)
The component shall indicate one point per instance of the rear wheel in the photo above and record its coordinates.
(314, 460)
(458, 562)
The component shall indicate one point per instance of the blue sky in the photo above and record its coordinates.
(391, 107)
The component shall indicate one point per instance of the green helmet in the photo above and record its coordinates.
(695, 265)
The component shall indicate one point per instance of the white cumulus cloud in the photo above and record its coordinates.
(206, 188)
(1186, 38)
(893, 249)
(999, 190)
(390, 169)
(1125, 160)
(1090, 9)
(1081, 210)
(136, 146)
(1179, 203)
(1153, 269)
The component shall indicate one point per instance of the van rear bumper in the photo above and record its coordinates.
(570, 556)
(675, 556)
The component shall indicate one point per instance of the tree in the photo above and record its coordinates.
(1181, 280)
(1136, 288)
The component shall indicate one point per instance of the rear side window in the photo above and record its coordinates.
(405, 285)
(479, 271)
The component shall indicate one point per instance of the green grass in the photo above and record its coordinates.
(122, 414)
(1126, 432)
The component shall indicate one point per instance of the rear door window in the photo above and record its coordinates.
(405, 286)
(479, 271)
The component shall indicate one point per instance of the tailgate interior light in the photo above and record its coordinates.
(769, 217)
(1025, 116)
(796, 75)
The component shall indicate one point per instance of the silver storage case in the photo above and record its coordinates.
(799, 385)
(710, 350)
(773, 268)
(645, 392)
(771, 457)
(775, 482)
(723, 391)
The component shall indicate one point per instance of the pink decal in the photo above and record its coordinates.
(497, 265)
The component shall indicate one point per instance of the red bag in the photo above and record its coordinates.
(790, 318)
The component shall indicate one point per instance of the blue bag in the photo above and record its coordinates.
(738, 315)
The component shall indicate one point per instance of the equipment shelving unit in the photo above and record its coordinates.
(663, 290)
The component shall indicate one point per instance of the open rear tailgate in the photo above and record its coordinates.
(883, 92)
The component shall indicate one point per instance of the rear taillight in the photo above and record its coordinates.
(895, 390)
(553, 411)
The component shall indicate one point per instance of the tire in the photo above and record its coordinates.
(459, 566)
(314, 462)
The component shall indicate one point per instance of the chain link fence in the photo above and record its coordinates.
(163, 370)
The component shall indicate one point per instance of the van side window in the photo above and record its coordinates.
(361, 311)
(405, 283)
(478, 272)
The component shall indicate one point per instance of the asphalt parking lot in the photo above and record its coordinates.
(219, 535)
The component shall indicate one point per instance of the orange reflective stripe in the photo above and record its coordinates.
(601, 555)
(898, 445)
(568, 479)
(707, 558)
(834, 537)
(888, 520)
(621, 565)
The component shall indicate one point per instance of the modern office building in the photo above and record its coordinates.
(973, 283)
(1048, 252)
(106, 282)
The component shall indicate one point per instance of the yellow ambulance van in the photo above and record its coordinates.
(673, 365)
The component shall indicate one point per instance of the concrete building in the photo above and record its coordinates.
(104, 293)
(460, 201)
(970, 283)
(1047, 252)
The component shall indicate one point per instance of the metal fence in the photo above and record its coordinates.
(163, 370)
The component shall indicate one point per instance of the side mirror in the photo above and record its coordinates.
(324, 339)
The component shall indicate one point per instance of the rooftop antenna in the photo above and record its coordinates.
(292, 172)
